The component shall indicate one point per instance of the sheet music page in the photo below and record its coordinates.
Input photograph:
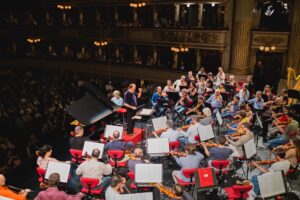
(109, 129)
(135, 196)
(89, 146)
(158, 145)
(249, 149)
(271, 184)
(146, 112)
(219, 118)
(148, 173)
(159, 123)
(61, 168)
(205, 132)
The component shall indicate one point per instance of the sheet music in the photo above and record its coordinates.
(159, 123)
(219, 118)
(271, 184)
(249, 149)
(148, 173)
(63, 169)
(89, 146)
(136, 196)
(109, 129)
(158, 145)
(205, 132)
(146, 112)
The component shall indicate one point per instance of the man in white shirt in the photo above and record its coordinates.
(178, 83)
(115, 188)
(171, 133)
(92, 168)
(192, 131)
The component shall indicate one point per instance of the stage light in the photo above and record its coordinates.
(213, 4)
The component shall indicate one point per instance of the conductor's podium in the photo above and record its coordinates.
(136, 137)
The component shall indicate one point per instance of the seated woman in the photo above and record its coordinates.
(44, 156)
(236, 125)
(292, 151)
(117, 99)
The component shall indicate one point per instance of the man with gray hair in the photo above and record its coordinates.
(118, 143)
(171, 133)
(78, 140)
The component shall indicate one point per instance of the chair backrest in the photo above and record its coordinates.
(242, 189)
(189, 172)
(76, 153)
(116, 154)
(41, 172)
(174, 145)
(220, 164)
(197, 138)
(89, 182)
(131, 175)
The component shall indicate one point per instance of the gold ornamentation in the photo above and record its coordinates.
(269, 40)
(185, 37)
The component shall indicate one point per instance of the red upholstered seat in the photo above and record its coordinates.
(197, 138)
(76, 156)
(115, 157)
(121, 111)
(89, 184)
(221, 165)
(136, 137)
(238, 191)
(41, 172)
(188, 173)
(174, 145)
(130, 174)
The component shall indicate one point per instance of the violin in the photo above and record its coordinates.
(266, 162)
(185, 127)
(285, 147)
(177, 153)
(130, 154)
(165, 190)
(237, 134)
(208, 144)
(160, 131)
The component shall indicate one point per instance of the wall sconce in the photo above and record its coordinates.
(137, 5)
(267, 48)
(33, 40)
(179, 49)
(100, 43)
(64, 7)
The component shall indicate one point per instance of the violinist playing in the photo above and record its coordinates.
(184, 102)
(181, 194)
(198, 107)
(281, 164)
(117, 186)
(171, 133)
(138, 159)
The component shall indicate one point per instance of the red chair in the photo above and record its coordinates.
(89, 185)
(188, 173)
(122, 111)
(115, 156)
(238, 192)
(130, 174)
(222, 169)
(41, 172)
(76, 156)
(174, 145)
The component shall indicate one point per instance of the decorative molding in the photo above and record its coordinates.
(263, 38)
(188, 37)
(269, 40)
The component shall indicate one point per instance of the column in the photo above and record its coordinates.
(135, 15)
(228, 13)
(200, 14)
(135, 53)
(241, 37)
(177, 13)
(154, 55)
(80, 18)
(117, 52)
(294, 43)
(100, 52)
(175, 60)
(155, 14)
(198, 59)
(116, 15)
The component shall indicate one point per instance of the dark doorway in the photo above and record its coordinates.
(211, 60)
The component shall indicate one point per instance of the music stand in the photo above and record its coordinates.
(220, 121)
(63, 169)
(146, 174)
(181, 87)
(173, 96)
(159, 123)
(206, 179)
(144, 115)
(249, 151)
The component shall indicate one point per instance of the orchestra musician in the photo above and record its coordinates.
(198, 107)
(78, 140)
(191, 132)
(138, 159)
(171, 133)
(118, 144)
(44, 156)
(116, 187)
(220, 77)
(181, 194)
(215, 100)
(169, 87)
(281, 164)
(156, 95)
(192, 160)
(184, 102)
(179, 82)
(7, 192)
(130, 102)
(236, 146)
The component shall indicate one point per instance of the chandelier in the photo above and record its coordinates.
(137, 5)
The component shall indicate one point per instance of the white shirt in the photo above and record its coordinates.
(191, 133)
(282, 165)
(171, 134)
(177, 85)
(220, 78)
(118, 102)
(111, 194)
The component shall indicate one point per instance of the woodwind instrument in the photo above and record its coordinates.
(165, 190)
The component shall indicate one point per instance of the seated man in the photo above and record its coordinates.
(78, 140)
(118, 144)
(218, 153)
(280, 164)
(192, 131)
(171, 133)
(6, 192)
(52, 192)
(92, 168)
(216, 101)
(138, 159)
(181, 194)
(191, 160)
(116, 187)
(236, 125)
(232, 108)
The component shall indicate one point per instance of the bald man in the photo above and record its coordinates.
(118, 143)
(139, 154)
(78, 140)
(6, 192)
